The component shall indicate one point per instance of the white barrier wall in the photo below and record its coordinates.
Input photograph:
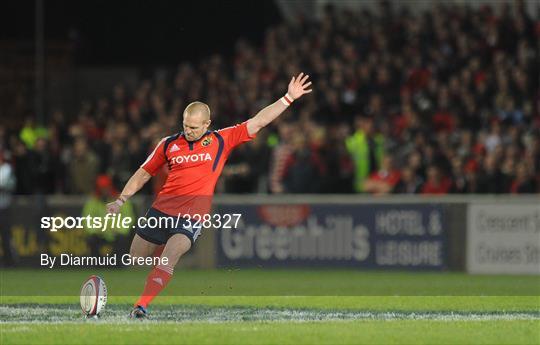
(503, 238)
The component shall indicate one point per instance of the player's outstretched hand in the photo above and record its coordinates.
(299, 86)
(113, 207)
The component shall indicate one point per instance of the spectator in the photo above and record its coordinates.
(366, 149)
(339, 165)
(303, 168)
(7, 187)
(30, 132)
(280, 156)
(120, 167)
(384, 180)
(45, 167)
(409, 183)
(436, 182)
(415, 163)
(246, 167)
(83, 168)
(24, 159)
(494, 138)
(522, 183)
(459, 176)
(508, 170)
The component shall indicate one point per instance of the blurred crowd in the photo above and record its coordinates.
(447, 101)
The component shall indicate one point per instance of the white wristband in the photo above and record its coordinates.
(287, 99)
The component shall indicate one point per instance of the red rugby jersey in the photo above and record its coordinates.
(194, 168)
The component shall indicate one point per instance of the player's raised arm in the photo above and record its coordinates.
(297, 88)
(133, 185)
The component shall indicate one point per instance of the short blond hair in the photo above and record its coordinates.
(198, 107)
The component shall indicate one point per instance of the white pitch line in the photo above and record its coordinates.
(186, 314)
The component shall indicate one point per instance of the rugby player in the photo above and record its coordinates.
(195, 158)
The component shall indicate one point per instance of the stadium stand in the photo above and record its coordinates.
(443, 102)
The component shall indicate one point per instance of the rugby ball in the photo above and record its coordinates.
(93, 296)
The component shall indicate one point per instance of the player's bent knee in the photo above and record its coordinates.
(176, 246)
(180, 243)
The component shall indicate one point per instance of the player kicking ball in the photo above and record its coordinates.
(195, 158)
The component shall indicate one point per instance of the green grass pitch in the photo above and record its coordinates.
(255, 306)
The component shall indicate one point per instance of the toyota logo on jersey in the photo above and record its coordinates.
(201, 157)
